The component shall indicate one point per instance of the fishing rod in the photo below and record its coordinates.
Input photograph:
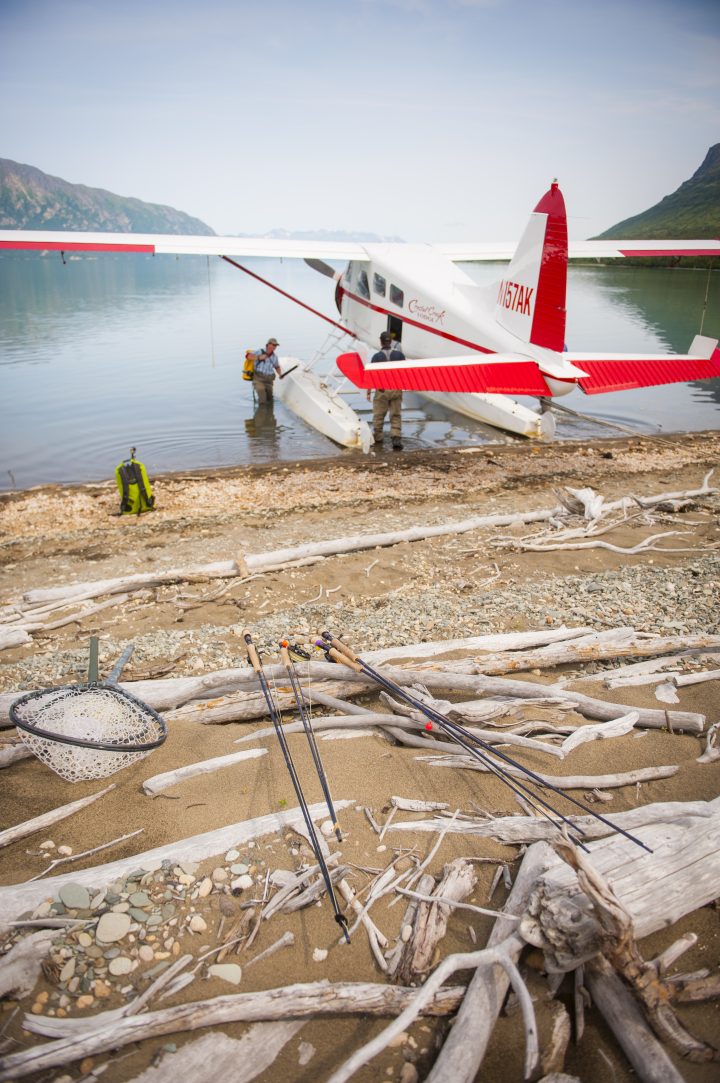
(277, 723)
(309, 732)
(536, 801)
(461, 736)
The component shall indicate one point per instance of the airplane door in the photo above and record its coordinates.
(395, 327)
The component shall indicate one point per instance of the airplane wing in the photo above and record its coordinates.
(621, 372)
(509, 374)
(478, 253)
(178, 244)
(187, 244)
(515, 374)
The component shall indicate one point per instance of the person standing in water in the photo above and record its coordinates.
(266, 366)
(387, 400)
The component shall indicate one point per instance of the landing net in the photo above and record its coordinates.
(87, 732)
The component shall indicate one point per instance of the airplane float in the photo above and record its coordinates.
(468, 347)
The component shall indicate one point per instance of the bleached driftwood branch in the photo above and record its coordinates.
(289, 1002)
(158, 783)
(519, 830)
(39, 823)
(18, 898)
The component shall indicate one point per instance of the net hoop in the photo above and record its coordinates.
(80, 742)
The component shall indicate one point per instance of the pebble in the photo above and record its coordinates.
(198, 924)
(65, 851)
(327, 828)
(120, 965)
(232, 855)
(205, 888)
(319, 955)
(111, 927)
(230, 972)
(241, 884)
(74, 896)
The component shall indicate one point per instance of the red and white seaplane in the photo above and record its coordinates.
(467, 346)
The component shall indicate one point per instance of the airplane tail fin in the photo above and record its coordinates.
(531, 298)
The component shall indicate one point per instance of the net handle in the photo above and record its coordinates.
(93, 663)
(114, 676)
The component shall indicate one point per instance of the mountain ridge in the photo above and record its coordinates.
(693, 210)
(31, 199)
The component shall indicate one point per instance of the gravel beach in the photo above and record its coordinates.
(449, 586)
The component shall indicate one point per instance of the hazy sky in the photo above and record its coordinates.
(424, 119)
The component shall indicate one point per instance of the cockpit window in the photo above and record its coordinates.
(348, 273)
(397, 297)
(362, 285)
(379, 284)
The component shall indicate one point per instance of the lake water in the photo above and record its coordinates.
(102, 354)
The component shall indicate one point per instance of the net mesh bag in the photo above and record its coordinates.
(87, 732)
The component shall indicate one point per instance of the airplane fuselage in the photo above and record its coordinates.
(429, 304)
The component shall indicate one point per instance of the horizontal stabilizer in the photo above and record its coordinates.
(502, 374)
(622, 372)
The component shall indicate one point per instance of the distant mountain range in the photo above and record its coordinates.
(31, 199)
(692, 211)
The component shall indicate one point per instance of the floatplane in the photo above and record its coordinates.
(467, 347)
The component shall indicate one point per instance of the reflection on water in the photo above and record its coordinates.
(102, 354)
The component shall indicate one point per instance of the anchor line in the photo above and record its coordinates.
(282, 740)
(309, 732)
(462, 735)
(289, 296)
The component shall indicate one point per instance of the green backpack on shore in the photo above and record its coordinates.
(136, 494)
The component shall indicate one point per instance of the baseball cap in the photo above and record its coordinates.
(272, 342)
(386, 336)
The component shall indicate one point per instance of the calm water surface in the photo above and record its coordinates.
(102, 354)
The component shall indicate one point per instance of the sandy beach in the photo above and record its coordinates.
(447, 587)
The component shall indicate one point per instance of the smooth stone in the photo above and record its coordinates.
(205, 888)
(98, 900)
(197, 924)
(232, 855)
(111, 953)
(139, 898)
(146, 953)
(120, 965)
(154, 919)
(230, 972)
(138, 915)
(112, 927)
(68, 970)
(319, 955)
(239, 869)
(242, 883)
(84, 939)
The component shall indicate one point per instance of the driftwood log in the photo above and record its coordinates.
(300, 1001)
(18, 898)
(681, 874)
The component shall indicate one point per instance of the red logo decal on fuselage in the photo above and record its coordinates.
(515, 297)
(426, 312)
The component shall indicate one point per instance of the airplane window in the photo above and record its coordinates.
(362, 285)
(379, 284)
(348, 273)
(397, 297)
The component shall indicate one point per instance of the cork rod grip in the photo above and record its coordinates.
(251, 652)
